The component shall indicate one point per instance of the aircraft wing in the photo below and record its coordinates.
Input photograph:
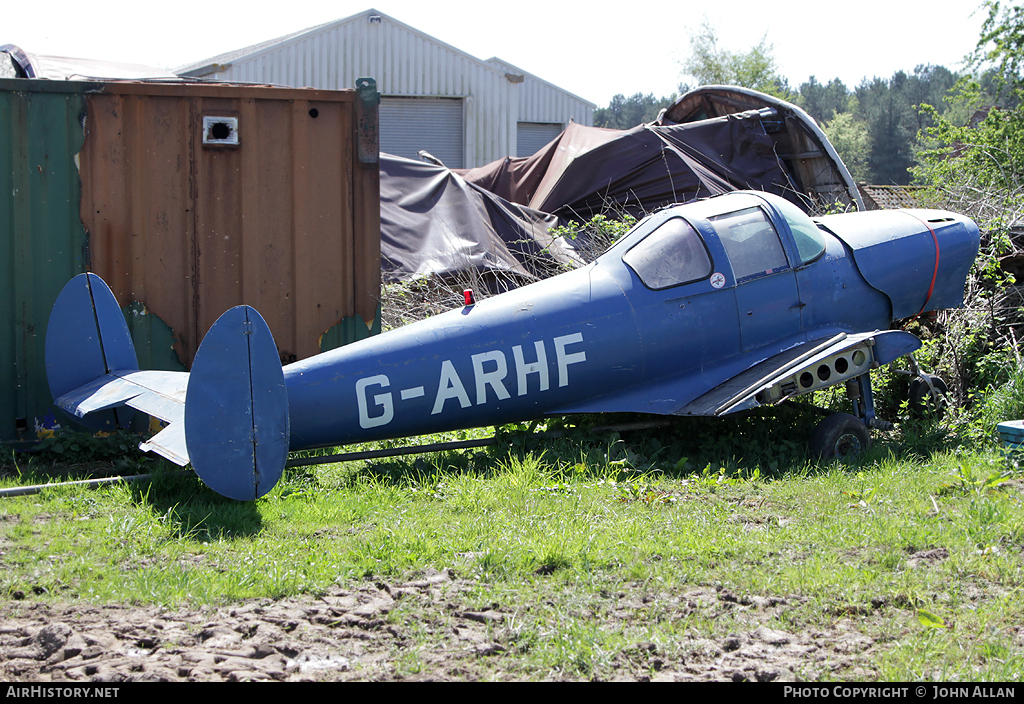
(158, 393)
(803, 369)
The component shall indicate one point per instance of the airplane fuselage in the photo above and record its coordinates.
(591, 340)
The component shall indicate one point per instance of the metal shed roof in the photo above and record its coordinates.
(881, 197)
(216, 64)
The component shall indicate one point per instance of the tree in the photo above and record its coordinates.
(624, 113)
(929, 85)
(1002, 42)
(823, 101)
(710, 64)
(891, 110)
(982, 152)
(975, 166)
(849, 136)
(892, 128)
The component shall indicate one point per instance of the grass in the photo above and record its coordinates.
(619, 552)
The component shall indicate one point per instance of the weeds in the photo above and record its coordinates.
(68, 448)
(967, 481)
(572, 245)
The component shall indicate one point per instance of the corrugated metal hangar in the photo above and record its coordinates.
(434, 97)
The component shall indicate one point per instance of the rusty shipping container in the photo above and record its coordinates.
(188, 199)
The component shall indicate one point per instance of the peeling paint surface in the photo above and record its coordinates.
(42, 241)
(287, 220)
(114, 178)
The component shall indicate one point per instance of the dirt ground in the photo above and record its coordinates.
(368, 634)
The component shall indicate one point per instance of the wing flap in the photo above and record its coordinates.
(747, 383)
(804, 369)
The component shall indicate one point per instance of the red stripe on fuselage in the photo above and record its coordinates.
(935, 271)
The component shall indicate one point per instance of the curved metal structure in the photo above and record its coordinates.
(815, 167)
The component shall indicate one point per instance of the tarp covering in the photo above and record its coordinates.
(589, 170)
(496, 218)
(433, 222)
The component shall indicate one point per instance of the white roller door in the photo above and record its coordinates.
(434, 124)
(531, 136)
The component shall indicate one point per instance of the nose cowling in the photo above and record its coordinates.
(918, 258)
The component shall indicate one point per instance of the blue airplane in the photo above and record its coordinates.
(707, 308)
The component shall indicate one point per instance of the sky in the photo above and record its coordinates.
(595, 54)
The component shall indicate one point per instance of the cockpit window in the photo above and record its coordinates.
(810, 242)
(671, 255)
(751, 242)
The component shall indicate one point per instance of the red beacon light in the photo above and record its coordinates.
(467, 296)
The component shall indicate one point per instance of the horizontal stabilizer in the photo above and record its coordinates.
(160, 394)
(169, 443)
(163, 394)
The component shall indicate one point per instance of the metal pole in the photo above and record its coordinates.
(88, 483)
(455, 445)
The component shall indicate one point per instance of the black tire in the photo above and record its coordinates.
(840, 436)
(920, 401)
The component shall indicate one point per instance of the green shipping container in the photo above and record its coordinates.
(42, 240)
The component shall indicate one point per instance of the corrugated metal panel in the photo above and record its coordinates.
(153, 339)
(42, 242)
(405, 63)
(540, 101)
(288, 221)
(350, 330)
(408, 125)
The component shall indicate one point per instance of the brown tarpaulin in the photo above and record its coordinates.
(589, 170)
(496, 218)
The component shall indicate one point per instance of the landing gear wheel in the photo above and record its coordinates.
(922, 402)
(840, 436)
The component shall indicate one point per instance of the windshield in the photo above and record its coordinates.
(809, 240)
